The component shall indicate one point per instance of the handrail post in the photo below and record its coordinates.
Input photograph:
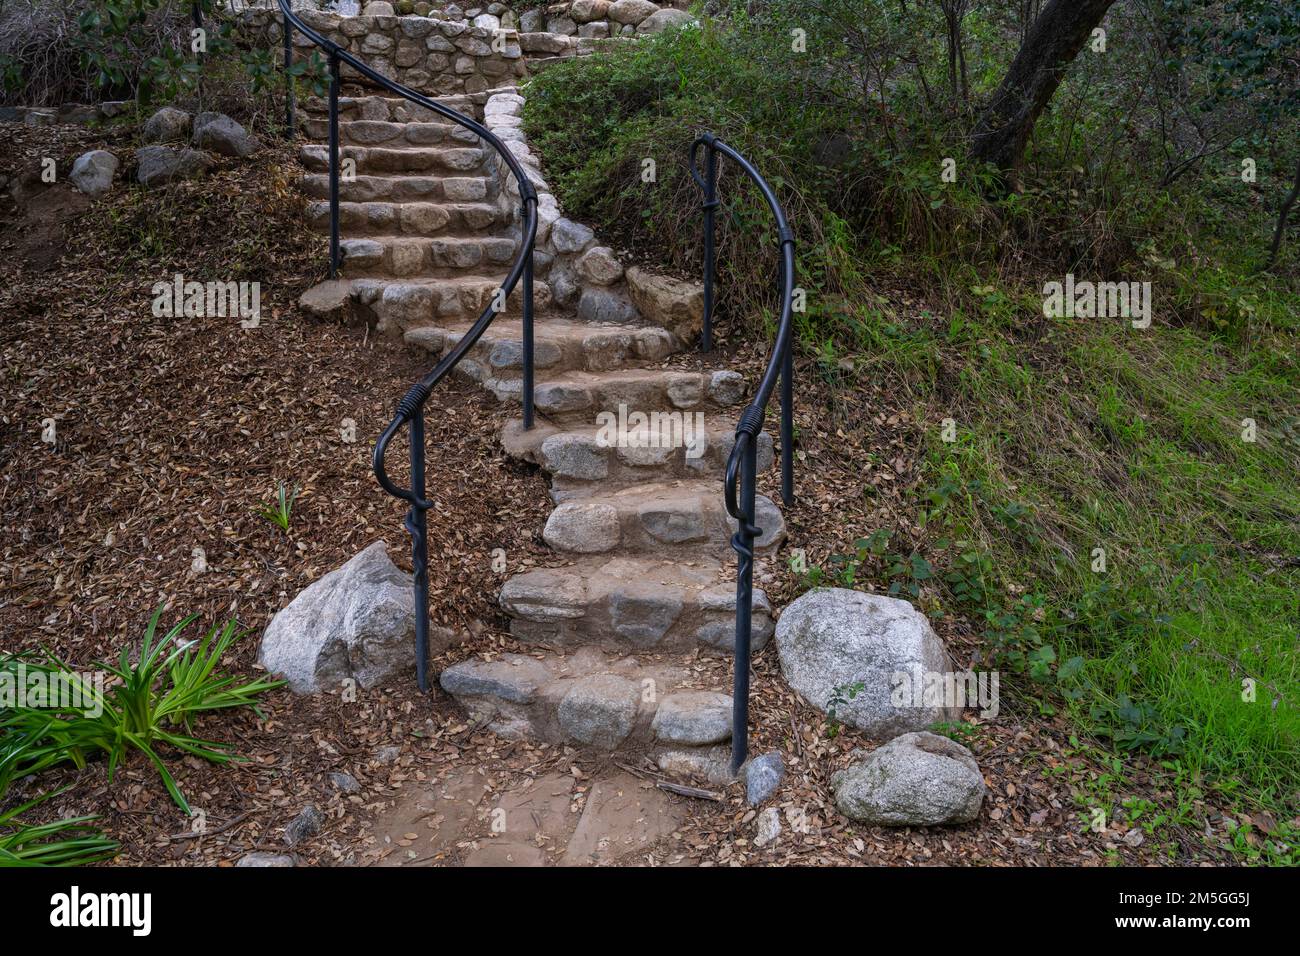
(288, 79)
(710, 205)
(417, 525)
(528, 340)
(335, 257)
(743, 542)
(787, 426)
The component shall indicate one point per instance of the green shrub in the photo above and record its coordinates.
(153, 703)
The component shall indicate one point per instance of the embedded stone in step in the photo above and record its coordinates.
(643, 612)
(571, 455)
(365, 253)
(768, 518)
(693, 718)
(727, 387)
(330, 300)
(720, 632)
(660, 445)
(378, 159)
(674, 522)
(545, 595)
(584, 527)
(651, 515)
(552, 397)
(514, 677)
(464, 189)
(704, 766)
(605, 305)
(407, 303)
(509, 354)
(422, 218)
(605, 350)
(599, 710)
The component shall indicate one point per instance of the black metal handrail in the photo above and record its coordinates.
(742, 464)
(410, 410)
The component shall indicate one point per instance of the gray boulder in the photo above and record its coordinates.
(666, 19)
(261, 858)
(570, 236)
(304, 826)
(768, 827)
(918, 779)
(832, 639)
(762, 775)
(168, 125)
(631, 11)
(163, 164)
(220, 134)
(93, 172)
(357, 622)
(605, 305)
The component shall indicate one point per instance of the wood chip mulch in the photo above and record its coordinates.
(170, 433)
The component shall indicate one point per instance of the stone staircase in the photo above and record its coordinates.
(625, 642)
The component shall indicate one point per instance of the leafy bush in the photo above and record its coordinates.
(153, 702)
(67, 842)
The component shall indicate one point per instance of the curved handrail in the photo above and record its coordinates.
(739, 485)
(751, 420)
(410, 407)
(527, 195)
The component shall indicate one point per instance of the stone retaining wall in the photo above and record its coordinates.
(584, 18)
(431, 56)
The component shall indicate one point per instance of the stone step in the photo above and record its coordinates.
(593, 700)
(629, 604)
(669, 445)
(400, 304)
(428, 258)
(559, 343)
(395, 108)
(381, 220)
(381, 159)
(578, 397)
(391, 190)
(364, 132)
(675, 516)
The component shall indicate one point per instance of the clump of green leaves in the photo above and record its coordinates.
(152, 703)
(840, 696)
(68, 842)
(279, 511)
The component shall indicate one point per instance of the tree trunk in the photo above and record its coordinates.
(1056, 37)
(1282, 215)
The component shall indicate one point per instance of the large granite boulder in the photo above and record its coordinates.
(168, 125)
(93, 172)
(220, 134)
(357, 622)
(857, 649)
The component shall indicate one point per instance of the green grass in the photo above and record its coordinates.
(1131, 442)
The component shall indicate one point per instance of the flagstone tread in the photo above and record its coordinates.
(594, 699)
(631, 603)
(635, 448)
